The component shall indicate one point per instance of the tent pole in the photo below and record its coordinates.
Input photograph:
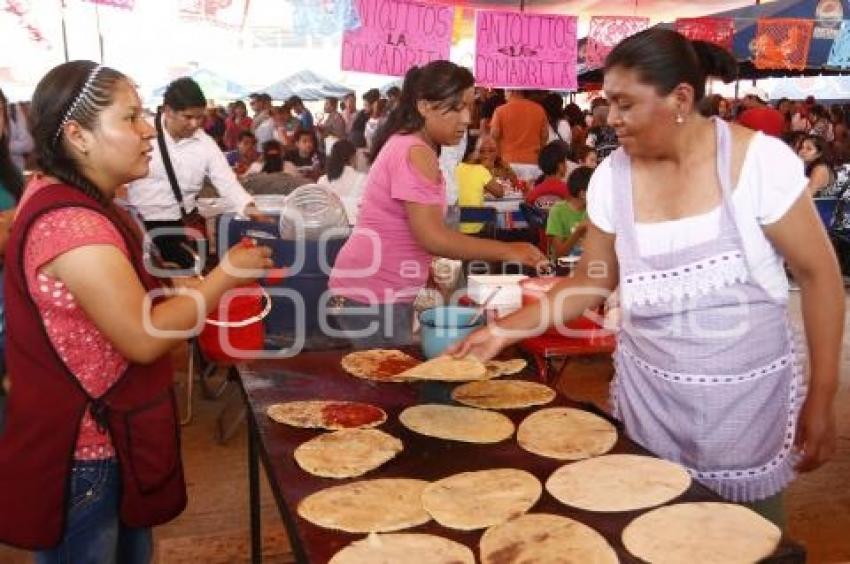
(99, 33)
(64, 30)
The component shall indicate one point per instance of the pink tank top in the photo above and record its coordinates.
(382, 262)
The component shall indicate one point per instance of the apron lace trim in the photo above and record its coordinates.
(711, 379)
(690, 280)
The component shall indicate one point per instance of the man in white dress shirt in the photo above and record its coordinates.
(263, 124)
(194, 156)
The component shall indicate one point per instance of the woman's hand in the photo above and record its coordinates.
(815, 438)
(524, 253)
(246, 262)
(483, 344)
(254, 214)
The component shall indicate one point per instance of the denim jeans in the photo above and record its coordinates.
(93, 532)
(378, 326)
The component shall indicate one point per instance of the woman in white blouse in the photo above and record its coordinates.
(692, 220)
(343, 179)
(559, 127)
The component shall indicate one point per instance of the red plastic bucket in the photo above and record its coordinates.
(533, 289)
(235, 330)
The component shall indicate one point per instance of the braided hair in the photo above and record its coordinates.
(74, 91)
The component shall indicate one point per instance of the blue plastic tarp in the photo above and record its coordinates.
(214, 86)
(307, 85)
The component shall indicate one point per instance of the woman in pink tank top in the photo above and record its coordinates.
(401, 225)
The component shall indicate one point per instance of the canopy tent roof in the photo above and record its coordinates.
(215, 86)
(307, 85)
(397, 82)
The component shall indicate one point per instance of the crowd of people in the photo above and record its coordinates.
(518, 141)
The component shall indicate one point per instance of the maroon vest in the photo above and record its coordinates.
(46, 404)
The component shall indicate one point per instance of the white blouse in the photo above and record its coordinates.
(349, 187)
(772, 178)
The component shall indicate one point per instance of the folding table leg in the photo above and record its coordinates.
(542, 365)
(190, 378)
(254, 493)
(208, 370)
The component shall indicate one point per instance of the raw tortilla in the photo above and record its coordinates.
(566, 434)
(448, 369)
(409, 548)
(701, 533)
(457, 423)
(618, 482)
(382, 365)
(324, 414)
(367, 506)
(474, 500)
(503, 394)
(545, 539)
(347, 453)
(496, 368)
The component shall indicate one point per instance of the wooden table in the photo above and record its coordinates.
(317, 375)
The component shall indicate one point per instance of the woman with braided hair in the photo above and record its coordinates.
(90, 456)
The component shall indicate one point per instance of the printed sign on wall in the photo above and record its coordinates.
(396, 35)
(525, 51)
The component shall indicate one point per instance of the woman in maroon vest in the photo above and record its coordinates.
(90, 455)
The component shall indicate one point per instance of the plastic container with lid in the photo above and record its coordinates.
(505, 286)
(309, 211)
(533, 290)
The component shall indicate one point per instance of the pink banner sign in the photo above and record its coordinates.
(396, 35)
(606, 32)
(221, 13)
(525, 51)
(21, 11)
(125, 4)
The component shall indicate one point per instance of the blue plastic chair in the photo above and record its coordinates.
(826, 210)
(483, 214)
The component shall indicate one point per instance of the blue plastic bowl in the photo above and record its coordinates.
(443, 326)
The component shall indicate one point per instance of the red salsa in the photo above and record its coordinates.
(350, 414)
